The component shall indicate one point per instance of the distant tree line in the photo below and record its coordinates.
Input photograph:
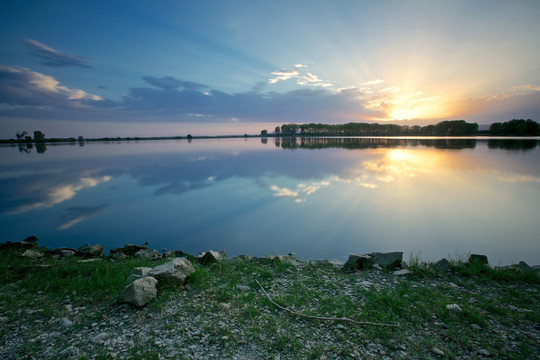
(517, 127)
(444, 128)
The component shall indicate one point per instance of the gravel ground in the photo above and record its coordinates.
(225, 315)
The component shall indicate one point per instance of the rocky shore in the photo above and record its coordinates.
(137, 303)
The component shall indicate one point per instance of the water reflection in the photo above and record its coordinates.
(513, 144)
(371, 143)
(354, 195)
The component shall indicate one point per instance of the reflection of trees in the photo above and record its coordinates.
(370, 143)
(25, 148)
(512, 144)
(41, 147)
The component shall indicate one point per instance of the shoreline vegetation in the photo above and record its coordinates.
(452, 128)
(66, 304)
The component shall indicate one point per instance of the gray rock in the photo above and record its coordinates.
(523, 266)
(32, 254)
(101, 338)
(404, 265)
(358, 262)
(119, 255)
(476, 327)
(377, 266)
(388, 260)
(140, 292)
(484, 352)
(91, 250)
(150, 254)
(137, 273)
(401, 272)
(169, 254)
(288, 259)
(66, 323)
(211, 257)
(31, 239)
(476, 258)
(437, 351)
(128, 249)
(67, 253)
(178, 270)
(442, 265)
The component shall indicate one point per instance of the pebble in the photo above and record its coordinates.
(437, 351)
(476, 327)
(101, 338)
(66, 323)
(453, 307)
(484, 352)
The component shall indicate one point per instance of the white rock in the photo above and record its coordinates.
(437, 351)
(140, 292)
(401, 272)
(32, 254)
(67, 253)
(178, 269)
(453, 307)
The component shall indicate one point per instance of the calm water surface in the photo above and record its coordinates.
(317, 197)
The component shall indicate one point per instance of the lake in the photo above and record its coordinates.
(316, 197)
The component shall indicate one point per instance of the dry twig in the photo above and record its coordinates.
(321, 317)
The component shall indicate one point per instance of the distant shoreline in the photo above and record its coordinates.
(199, 137)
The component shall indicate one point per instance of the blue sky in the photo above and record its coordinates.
(127, 68)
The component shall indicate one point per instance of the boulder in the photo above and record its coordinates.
(523, 266)
(17, 245)
(137, 273)
(91, 250)
(480, 259)
(211, 257)
(67, 253)
(289, 259)
(150, 254)
(31, 239)
(442, 265)
(178, 270)
(32, 254)
(356, 261)
(119, 256)
(140, 292)
(387, 260)
(128, 249)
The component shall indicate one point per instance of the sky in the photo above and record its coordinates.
(168, 68)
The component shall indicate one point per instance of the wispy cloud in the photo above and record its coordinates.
(302, 77)
(373, 82)
(55, 58)
(22, 86)
(283, 192)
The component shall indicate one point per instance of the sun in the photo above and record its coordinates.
(404, 113)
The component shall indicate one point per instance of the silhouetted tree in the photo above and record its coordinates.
(264, 132)
(39, 136)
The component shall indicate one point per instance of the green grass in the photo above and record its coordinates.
(228, 297)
